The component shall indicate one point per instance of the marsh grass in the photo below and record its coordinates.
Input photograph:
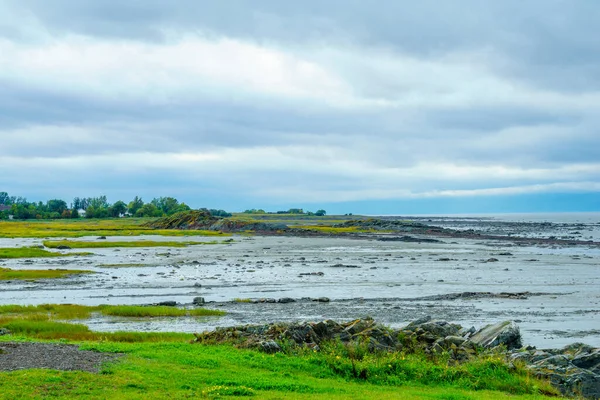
(34, 252)
(84, 227)
(74, 244)
(35, 274)
(75, 311)
(157, 311)
(242, 300)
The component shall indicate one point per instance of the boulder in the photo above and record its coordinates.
(286, 300)
(269, 346)
(198, 301)
(501, 334)
(589, 361)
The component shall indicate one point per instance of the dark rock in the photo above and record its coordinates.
(167, 303)
(492, 260)
(344, 266)
(102, 238)
(269, 347)
(589, 361)
(409, 239)
(286, 300)
(63, 247)
(198, 301)
(321, 299)
(503, 333)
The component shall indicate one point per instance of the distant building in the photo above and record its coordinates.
(81, 212)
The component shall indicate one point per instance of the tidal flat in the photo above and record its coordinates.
(550, 290)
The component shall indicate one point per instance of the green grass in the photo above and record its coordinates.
(169, 366)
(177, 370)
(92, 227)
(74, 244)
(35, 274)
(33, 252)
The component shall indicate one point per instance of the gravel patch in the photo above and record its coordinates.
(65, 357)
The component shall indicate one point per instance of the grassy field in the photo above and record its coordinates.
(169, 366)
(79, 244)
(89, 227)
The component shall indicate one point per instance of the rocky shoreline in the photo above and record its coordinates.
(574, 370)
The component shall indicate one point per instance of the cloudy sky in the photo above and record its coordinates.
(352, 106)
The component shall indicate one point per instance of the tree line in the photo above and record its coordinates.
(91, 207)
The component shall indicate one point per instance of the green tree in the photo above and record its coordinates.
(320, 213)
(118, 209)
(149, 210)
(135, 205)
(56, 206)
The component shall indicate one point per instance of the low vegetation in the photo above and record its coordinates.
(74, 311)
(89, 227)
(33, 252)
(35, 274)
(73, 244)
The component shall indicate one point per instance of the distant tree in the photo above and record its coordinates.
(295, 211)
(55, 206)
(135, 205)
(219, 213)
(255, 211)
(320, 213)
(149, 210)
(118, 209)
(6, 199)
(167, 205)
(98, 202)
(74, 213)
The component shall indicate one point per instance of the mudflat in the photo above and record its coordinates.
(550, 289)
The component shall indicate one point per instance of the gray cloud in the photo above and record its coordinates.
(336, 100)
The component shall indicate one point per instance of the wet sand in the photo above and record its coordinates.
(559, 301)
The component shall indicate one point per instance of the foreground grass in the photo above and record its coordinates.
(83, 227)
(175, 369)
(35, 274)
(54, 244)
(33, 252)
(168, 366)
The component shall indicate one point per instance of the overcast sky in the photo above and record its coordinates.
(360, 106)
